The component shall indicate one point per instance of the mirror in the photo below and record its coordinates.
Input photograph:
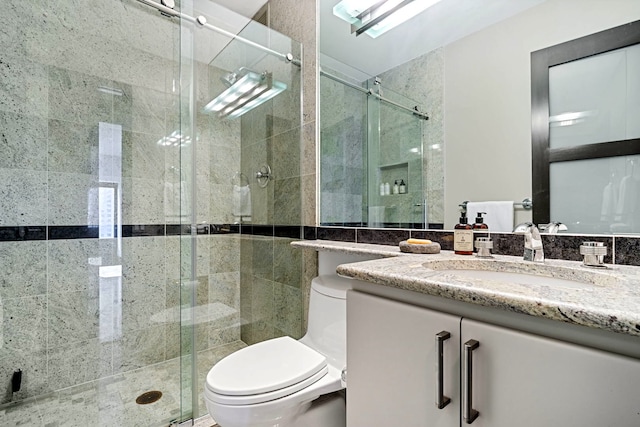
(466, 64)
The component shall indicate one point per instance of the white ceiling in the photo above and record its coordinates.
(439, 25)
(246, 8)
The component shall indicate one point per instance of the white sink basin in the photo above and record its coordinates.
(518, 273)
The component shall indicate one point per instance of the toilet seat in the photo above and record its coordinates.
(265, 371)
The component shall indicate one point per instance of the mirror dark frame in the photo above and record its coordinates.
(541, 154)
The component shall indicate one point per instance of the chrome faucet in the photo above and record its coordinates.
(533, 250)
(553, 227)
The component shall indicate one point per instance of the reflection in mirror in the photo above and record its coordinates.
(467, 66)
(371, 155)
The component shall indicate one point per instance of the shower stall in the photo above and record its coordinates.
(371, 154)
(150, 182)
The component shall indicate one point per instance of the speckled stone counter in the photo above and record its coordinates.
(610, 299)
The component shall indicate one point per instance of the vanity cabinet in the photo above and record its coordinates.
(391, 364)
(517, 378)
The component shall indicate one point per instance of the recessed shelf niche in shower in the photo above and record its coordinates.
(393, 173)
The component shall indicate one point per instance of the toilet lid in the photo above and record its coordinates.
(265, 367)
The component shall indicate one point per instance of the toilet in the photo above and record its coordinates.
(285, 382)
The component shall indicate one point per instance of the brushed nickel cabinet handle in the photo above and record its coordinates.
(468, 413)
(441, 399)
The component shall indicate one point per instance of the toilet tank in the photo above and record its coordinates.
(327, 322)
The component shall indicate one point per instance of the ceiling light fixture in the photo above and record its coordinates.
(375, 17)
(246, 93)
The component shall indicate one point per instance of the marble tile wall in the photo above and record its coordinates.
(422, 79)
(64, 323)
(76, 324)
(297, 19)
(76, 308)
(276, 134)
(271, 288)
(271, 300)
(400, 159)
(343, 152)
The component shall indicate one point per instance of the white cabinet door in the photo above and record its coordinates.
(525, 380)
(392, 354)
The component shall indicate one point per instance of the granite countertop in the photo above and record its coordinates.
(610, 301)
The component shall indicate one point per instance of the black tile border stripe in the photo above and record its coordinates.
(558, 246)
(64, 232)
(382, 236)
(625, 249)
(177, 229)
(288, 231)
(310, 233)
(21, 233)
(61, 232)
(336, 233)
(143, 230)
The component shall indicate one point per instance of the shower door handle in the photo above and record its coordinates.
(425, 212)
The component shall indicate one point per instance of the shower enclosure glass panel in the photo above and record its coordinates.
(119, 238)
(365, 144)
(90, 268)
(343, 151)
(395, 158)
(235, 289)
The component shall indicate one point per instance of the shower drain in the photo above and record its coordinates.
(149, 397)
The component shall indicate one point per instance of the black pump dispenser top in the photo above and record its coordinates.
(479, 218)
(463, 217)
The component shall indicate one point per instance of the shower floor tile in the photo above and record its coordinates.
(111, 401)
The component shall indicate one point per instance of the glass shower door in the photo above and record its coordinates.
(394, 161)
(240, 110)
(343, 152)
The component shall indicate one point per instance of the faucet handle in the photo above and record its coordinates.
(553, 227)
(484, 246)
(594, 253)
(523, 227)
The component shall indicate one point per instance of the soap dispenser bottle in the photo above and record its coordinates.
(403, 188)
(480, 229)
(463, 236)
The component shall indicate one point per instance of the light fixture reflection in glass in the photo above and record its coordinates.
(245, 94)
(362, 13)
(175, 139)
(571, 118)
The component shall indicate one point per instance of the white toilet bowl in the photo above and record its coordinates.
(283, 382)
(282, 397)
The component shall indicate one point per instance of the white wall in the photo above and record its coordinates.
(488, 97)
